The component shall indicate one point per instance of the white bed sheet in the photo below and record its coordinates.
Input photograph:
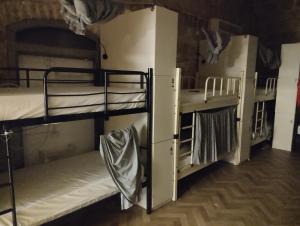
(21, 103)
(47, 192)
(197, 96)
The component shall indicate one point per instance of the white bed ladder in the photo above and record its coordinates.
(10, 184)
(259, 119)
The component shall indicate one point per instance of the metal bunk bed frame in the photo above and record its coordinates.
(101, 77)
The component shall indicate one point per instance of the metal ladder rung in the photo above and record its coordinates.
(5, 185)
(6, 211)
(187, 127)
(186, 141)
(185, 154)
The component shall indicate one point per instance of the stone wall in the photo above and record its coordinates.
(277, 21)
(192, 15)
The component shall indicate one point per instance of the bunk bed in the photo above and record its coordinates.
(218, 93)
(61, 187)
(262, 129)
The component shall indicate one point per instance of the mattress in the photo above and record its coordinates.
(184, 159)
(47, 192)
(261, 95)
(193, 100)
(22, 103)
(197, 96)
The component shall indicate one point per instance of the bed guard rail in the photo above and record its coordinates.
(106, 74)
(222, 86)
(99, 77)
(271, 86)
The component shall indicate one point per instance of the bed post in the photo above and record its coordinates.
(98, 130)
(149, 140)
(98, 121)
(10, 183)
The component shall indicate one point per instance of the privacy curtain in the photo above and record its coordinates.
(215, 135)
(120, 151)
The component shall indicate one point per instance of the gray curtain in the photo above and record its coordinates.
(120, 151)
(215, 135)
(78, 14)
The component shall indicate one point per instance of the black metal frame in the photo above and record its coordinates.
(105, 75)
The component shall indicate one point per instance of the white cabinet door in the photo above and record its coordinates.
(286, 97)
(283, 131)
(162, 173)
(163, 109)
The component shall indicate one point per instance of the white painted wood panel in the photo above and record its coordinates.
(163, 109)
(130, 40)
(286, 97)
(162, 170)
(283, 133)
(247, 99)
(166, 41)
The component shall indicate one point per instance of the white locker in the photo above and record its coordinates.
(149, 39)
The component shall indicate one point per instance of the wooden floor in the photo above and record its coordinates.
(262, 192)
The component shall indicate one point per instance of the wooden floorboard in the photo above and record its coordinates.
(262, 192)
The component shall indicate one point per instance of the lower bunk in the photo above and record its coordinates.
(263, 121)
(205, 137)
(49, 191)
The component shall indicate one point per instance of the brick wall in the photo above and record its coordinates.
(277, 21)
(192, 15)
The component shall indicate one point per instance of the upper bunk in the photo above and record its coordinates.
(217, 92)
(66, 94)
(266, 93)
